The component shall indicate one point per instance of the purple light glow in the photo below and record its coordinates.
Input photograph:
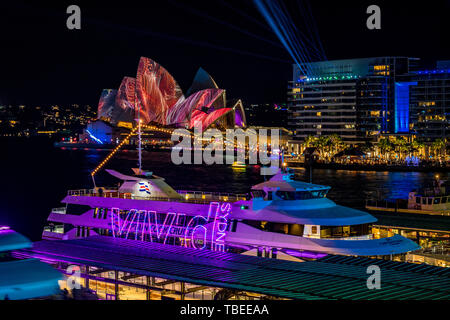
(305, 254)
(146, 222)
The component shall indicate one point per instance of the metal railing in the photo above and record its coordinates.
(54, 229)
(364, 237)
(219, 196)
(185, 196)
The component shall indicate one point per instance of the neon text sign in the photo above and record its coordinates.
(196, 231)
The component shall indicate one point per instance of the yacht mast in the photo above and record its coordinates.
(140, 145)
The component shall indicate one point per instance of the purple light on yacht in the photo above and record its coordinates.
(305, 254)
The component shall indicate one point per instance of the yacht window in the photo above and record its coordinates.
(301, 195)
(430, 200)
(437, 200)
(444, 199)
(258, 194)
(417, 199)
(233, 226)
(296, 229)
(424, 200)
(77, 209)
(269, 195)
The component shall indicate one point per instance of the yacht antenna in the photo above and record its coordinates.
(139, 132)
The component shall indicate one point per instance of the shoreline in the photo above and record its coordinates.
(361, 167)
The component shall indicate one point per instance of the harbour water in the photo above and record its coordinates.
(36, 177)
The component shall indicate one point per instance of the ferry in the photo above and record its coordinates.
(432, 201)
(280, 217)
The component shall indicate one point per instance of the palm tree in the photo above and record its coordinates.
(437, 146)
(309, 141)
(367, 147)
(385, 146)
(321, 144)
(400, 146)
(336, 143)
(415, 146)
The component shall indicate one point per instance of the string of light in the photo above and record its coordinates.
(236, 144)
(102, 164)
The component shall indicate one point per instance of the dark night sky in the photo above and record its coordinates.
(42, 62)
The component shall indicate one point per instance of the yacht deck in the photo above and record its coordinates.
(199, 197)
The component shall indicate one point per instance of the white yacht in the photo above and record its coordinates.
(279, 217)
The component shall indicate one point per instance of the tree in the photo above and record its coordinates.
(322, 144)
(336, 143)
(309, 141)
(384, 146)
(400, 146)
(438, 146)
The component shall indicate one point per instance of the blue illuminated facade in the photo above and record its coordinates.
(353, 98)
(363, 99)
(429, 103)
(402, 106)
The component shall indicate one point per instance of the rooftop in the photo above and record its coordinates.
(331, 277)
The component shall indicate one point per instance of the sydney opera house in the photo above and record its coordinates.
(156, 98)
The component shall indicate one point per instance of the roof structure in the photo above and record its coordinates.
(331, 277)
(23, 279)
(284, 182)
(11, 240)
(154, 96)
(202, 80)
(27, 279)
(413, 221)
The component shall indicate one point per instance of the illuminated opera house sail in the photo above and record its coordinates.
(158, 99)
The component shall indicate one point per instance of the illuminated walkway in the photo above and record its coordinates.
(163, 271)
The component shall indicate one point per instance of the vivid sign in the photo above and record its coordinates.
(197, 231)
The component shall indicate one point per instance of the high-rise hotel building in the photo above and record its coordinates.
(430, 102)
(358, 99)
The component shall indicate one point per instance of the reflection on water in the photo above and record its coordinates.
(353, 187)
(36, 177)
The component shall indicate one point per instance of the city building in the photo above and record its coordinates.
(155, 97)
(430, 102)
(353, 98)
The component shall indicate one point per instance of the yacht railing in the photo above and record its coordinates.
(221, 196)
(185, 196)
(54, 229)
(364, 237)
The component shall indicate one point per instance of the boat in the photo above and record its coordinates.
(278, 217)
(239, 165)
(433, 201)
